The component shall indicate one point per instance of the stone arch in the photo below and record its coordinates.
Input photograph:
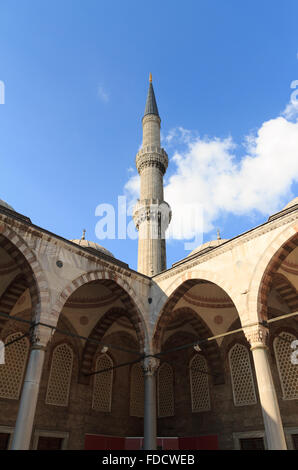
(185, 281)
(29, 266)
(115, 283)
(12, 293)
(98, 333)
(286, 291)
(267, 266)
(211, 350)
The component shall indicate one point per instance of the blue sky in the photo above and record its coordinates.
(76, 79)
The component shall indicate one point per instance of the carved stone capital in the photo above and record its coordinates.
(257, 336)
(40, 336)
(150, 365)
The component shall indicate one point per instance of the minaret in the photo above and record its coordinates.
(152, 214)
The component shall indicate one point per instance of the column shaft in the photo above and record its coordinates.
(270, 408)
(28, 401)
(150, 412)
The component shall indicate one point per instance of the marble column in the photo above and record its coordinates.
(257, 337)
(30, 391)
(150, 366)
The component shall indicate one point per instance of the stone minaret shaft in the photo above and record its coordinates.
(152, 214)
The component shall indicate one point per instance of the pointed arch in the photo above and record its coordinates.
(261, 279)
(211, 349)
(119, 287)
(98, 333)
(11, 295)
(29, 266)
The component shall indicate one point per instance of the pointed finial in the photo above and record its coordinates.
(218, 234)
(84, 233)
(150, 77)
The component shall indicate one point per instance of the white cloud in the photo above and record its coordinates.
(102, 94)
(210, 173)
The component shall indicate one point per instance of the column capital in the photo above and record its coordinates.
(150, 365)
(257, 336)
(40, 335)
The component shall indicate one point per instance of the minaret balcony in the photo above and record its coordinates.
(152, 156)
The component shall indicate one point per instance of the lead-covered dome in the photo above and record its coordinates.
(293, 202)
(209, 245)
(88, 244)
(4, 204)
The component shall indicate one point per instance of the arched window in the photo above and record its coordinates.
(199, 386)
(288, 372)
(165, 388)
(103, 383)
(241, 375)
(137, 391)
(60, 376)
(12, 371)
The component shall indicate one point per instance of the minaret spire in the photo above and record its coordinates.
(152, 214)
(151, 106)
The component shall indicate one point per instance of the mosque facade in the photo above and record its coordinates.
(200, 355)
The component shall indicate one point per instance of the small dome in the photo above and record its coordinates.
(87, 244)
(291, 203)
(4, 204)
(210, 244)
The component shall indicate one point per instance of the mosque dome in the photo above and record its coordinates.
(209, 245)
(88, 244)
(293, 202)
(4, 204)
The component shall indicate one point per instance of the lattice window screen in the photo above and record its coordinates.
(241, 375)
(103, 383)
(165, 391)
(137, 391)
(288, 372)
(200, 398)
(60, 376)
(12, 372)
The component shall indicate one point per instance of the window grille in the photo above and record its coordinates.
(165, 387)
(288, 372)
(137, 391)
(12, 372)
(103, 383)
(241, 375)
(200, 397)
(60, 376)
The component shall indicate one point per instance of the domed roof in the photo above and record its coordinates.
(291, 203)
(87, 244)
(4, 204)
(210, 244)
